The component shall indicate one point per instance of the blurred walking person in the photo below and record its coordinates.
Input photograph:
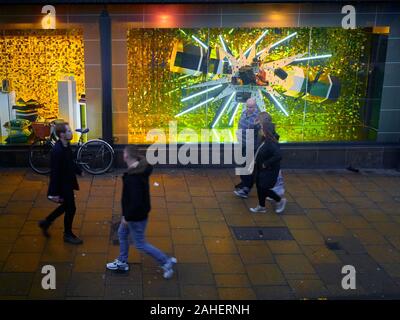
(135, 211)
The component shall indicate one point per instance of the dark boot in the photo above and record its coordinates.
(239, 185)
(72, 239)
(44, 225)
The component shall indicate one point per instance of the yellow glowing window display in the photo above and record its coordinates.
(312, 80)
(33, 61)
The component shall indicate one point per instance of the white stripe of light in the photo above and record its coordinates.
(277, 43)
(224, 46)
(222, 42)
(185, 76)
(234, 113)
(278, 104)
(314, 57)
(257, 41)
(284, 39)
(201, 92)
(200, 42)
(223, 110)
(194, 107)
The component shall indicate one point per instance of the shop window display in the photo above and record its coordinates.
(42, 73)
(313, 81)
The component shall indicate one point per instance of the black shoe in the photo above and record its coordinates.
(72, 239)
(239, 186)
(44, 225)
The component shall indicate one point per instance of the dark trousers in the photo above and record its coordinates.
(68, 207)
(262, 193)
(245, 180)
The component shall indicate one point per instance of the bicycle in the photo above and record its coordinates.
(95, 156)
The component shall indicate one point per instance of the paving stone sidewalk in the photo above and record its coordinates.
(334, 218)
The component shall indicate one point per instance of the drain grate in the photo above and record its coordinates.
(333, 245)
(262, 233)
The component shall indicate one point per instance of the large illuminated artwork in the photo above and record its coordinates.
(250, 74)
(313, 81)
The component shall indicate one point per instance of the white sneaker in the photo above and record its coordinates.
(258, 209)
(280, 206)
(270, 199)
(117, 265)
(241, 193)
(168, 268)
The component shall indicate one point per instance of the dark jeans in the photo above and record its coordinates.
(262, 193)
(68, 207)
(245, 180)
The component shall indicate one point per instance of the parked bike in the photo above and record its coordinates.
(94, 156)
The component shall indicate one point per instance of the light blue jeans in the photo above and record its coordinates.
(137, 230)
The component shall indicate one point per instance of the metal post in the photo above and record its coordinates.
(106, 74)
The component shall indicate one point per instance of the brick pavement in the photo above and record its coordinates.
(192, 218)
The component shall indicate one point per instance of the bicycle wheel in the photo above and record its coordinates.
(95, 156)
(39, 156)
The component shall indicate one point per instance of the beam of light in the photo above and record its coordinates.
(223, 110)
(231, 106)
(260, 52)
(278, 104)
(200, 42)
(262, 108)
(314, 57)
(235, 110)
(223, 43)
(209, 83)
(225, 48)
(277, 43)
(261, 37)
(185, 76)
(169, 92)
(183, 32)
(200, 93)
(257, 41)
(194, 107)
(284, 39)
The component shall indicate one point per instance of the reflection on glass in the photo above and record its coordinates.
(32, 64)
(311, 80)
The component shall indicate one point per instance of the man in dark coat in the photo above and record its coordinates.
(62, 184)
(135, 211)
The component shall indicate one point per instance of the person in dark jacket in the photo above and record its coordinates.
(267, 167)
(62, 184)
(135, 211)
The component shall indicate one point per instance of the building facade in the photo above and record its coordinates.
(125, 69)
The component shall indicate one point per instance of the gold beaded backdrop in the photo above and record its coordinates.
(34, 60)
(155, 92)
(149, 81)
